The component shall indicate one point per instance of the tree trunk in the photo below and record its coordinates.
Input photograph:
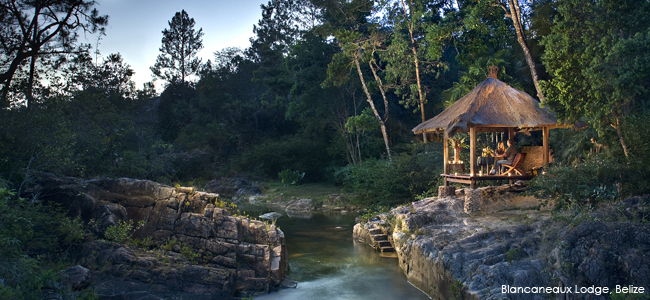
(384, 132)
(380, 84)
(515, 15)
(619, 132)
(30, 84)
(417, 67)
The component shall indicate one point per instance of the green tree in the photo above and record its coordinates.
(112, 77)
(478, 36)
(515, 12)
(175, 110)
(598, 55)
(359, 41)
(408, 60)
(41, 29)
(180, 45)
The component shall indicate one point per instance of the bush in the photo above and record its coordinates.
(389, 183)
(604, 177)
(581, 185)
(34, 244)
(293, 152)
(121, 233)
(336, 175)
(289, 177)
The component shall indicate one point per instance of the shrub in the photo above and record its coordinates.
(581, 185)
(399, 181)
(292, 152)
(603, 177)
(34, 240)
(336, 175)
(121, 233)
(289, 177)
(373, 212)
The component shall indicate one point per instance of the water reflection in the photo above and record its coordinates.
(329, 264)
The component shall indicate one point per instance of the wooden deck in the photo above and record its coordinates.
(471, 180)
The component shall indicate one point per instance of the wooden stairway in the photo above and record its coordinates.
(380, 240)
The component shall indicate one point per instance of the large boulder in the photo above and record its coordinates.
(76, 277)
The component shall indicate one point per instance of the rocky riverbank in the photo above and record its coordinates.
(240, 190)
(189, 246)
(462, 247)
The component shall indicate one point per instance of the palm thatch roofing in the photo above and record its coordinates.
(492, 103)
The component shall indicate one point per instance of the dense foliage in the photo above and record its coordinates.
(331, 89)
(602, 176)
(327, 91)
(35, 241)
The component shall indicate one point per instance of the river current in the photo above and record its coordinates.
(329, 264)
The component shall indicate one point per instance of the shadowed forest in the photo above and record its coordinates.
(328, 91)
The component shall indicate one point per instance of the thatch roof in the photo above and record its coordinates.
(492, 103)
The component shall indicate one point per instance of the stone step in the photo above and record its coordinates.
(387, 249)
(385, 244)
(375, 231)
(388, 254)
(379, 237)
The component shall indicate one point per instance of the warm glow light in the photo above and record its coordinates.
(480, 173)
(455, 173)
(509, 174)
(543, 172)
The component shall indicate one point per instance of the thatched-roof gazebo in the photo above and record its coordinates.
(492, 106)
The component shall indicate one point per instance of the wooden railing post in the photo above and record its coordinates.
(445, 156)
(546, 154)
(472, 155)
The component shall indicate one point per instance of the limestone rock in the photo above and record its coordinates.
(76, 277)
(209, 254)
(449, 253)
(444, 191)
(236, 188)
(300, 208)
(271, 216)
(602, 254)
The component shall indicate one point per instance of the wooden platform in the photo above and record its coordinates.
(471, 180)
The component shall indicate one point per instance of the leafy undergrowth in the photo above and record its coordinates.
(35, 243)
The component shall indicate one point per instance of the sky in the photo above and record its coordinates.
(135, 28)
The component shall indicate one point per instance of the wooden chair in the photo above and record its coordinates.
(516, 165)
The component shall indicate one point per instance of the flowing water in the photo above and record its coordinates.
(329, 264)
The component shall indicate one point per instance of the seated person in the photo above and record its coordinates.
(500, 148)
(508, 158)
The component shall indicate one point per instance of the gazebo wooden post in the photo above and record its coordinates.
(511, 134)
(472, 156)
(445, 156)
(546, 154)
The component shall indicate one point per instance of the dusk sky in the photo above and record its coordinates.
(135, 28)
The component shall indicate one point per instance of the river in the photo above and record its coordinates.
(329, 264)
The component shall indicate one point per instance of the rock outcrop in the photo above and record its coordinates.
(301, 208)
(192, 248)
(451, 254)
(237, 188)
